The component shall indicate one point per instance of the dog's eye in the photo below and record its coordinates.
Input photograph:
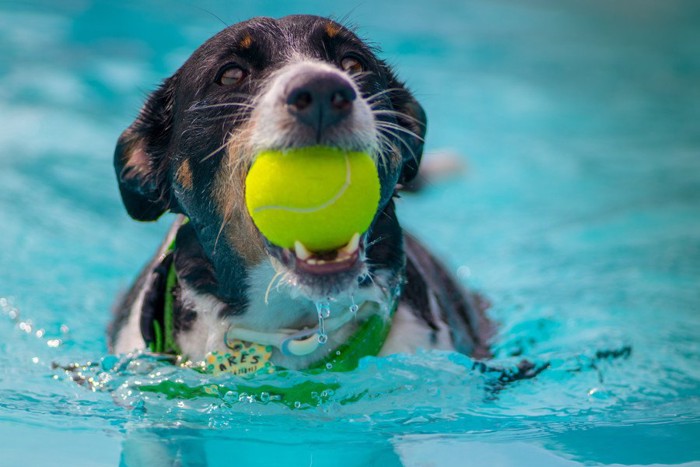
(231, 75)
(351, 65)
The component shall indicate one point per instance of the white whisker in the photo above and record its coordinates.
(213, 153)
(395, 113)
(397, 127)
(379, 94)
(197, 108)
(401, 140)
(373, 242)
(269, 286)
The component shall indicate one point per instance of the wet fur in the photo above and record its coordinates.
(188, 152)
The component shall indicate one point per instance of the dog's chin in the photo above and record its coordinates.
(322, 275)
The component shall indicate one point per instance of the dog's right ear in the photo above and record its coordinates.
(141, 157)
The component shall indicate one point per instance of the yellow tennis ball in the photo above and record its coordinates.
(319, 196)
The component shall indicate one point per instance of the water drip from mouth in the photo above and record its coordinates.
(353, 307)
(323, 309)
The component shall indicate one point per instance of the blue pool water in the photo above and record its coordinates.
(578, 215)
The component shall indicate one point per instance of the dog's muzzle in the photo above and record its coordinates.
(320, 100)
(311, 103)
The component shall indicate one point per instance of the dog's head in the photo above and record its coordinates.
(271, 84)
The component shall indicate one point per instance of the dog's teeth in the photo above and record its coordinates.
(301, 251)
(351, 247)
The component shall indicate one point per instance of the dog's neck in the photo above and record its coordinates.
(258, 306)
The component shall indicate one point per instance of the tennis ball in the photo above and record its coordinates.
(319, 196)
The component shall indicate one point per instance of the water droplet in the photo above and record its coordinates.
(323, 310)
(329, 366)
(297, 405)
(353, 307)
(464, 272)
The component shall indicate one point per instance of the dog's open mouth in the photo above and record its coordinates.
(327, 262)
(341, 260)
(326, 272)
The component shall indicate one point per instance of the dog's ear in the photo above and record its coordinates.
(141, 156)
(412, 118)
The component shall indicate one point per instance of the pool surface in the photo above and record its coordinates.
(577, 214)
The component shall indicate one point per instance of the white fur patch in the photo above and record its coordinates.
(208, 330)
(280, 308)
(129, 337)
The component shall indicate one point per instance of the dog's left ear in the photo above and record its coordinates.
(141, 157)
(411, 116)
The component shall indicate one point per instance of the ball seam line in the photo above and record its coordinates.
(332, 200)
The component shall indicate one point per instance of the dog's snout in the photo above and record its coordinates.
(320, 100)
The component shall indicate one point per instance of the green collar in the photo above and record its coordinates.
(366, 341)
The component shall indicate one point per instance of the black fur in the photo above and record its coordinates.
(189, 118)
(168, 130)
(144, 188)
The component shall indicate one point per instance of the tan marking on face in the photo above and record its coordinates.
(246, 42)
(332, 30)
(184, 175)
(136, 158)
(229, 195)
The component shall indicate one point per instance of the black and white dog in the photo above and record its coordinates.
(279, 84)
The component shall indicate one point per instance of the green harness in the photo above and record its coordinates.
(164, 340)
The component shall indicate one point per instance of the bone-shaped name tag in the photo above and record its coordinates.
(244, 358)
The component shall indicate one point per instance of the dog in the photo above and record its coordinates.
(217, 285)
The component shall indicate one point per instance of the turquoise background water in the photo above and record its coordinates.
(578, 215)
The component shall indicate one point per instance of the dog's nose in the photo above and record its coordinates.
(320, 100)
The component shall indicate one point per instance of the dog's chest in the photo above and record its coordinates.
(272, 307)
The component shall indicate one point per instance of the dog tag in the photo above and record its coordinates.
(244, 358)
